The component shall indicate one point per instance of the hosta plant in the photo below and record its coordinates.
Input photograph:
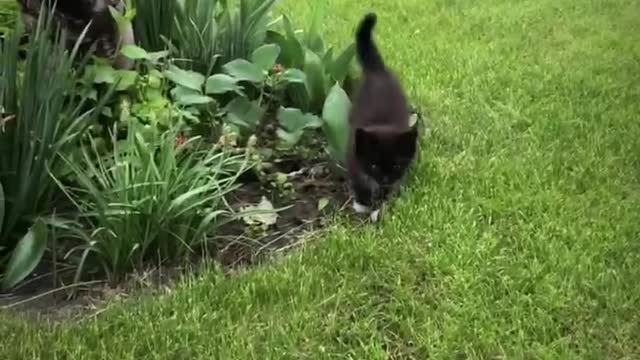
(240, 92)
(322, 66)
(333, 122)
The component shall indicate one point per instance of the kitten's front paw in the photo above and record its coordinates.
(360, 209)
(375, 215)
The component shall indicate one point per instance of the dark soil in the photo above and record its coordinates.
(301, 213)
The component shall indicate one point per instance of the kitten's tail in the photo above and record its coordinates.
(368, 53)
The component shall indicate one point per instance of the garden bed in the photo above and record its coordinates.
(217, 145)
(317, 194)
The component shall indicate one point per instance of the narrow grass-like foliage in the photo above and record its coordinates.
(196, 34)
(204, 34)
(41, 117)
(153, 23)
(149, 200)
(244, 28)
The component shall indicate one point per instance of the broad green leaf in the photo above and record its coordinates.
(294, 76)
(265, 56)
(26, 255)
(126, 79)
(104, 74)
(322, 203)
(154, 79)
(290, 138)
(244, 70)
(134, 52)
(294, 49)
(92, 94)
(327, 58)
(243, 113)
(313, 38)
(316, 79)
(220, 84)
(274, 37)
(299, 95)
(294, 120)
(181, 92)
(316, 44)
(107, 112)
(120, 19)
(188, 79)
(193, 99)
(335, 114)
(340, 67)
(157, 55)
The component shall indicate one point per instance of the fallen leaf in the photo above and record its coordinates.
(261, 214)
(322, 203)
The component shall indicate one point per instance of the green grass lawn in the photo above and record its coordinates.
(518, 236)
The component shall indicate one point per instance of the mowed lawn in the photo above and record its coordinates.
(517, 236)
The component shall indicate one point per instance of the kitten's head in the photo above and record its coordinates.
(385, 153)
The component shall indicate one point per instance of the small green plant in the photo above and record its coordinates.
(231, 74)
(148, 200)
(243, 88)
(333, 122)
(240, 76)
(41, 116)
(280, 182)
(316, 99)
(335, 116)
(142, 94)
(306, 51)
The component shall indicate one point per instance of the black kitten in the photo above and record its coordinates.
(382, 141)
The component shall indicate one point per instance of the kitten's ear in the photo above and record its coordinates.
(407, 142)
